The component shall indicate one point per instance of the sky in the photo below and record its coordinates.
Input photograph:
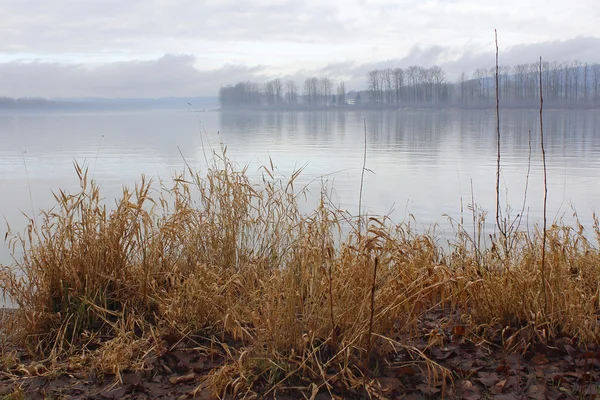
(161, 48)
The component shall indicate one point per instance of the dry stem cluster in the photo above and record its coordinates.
(284, 295)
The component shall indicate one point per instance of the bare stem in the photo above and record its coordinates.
(362, 179)
(498, 137)
(545, 191)
(370, 333)
(330, 262)
(33, 218)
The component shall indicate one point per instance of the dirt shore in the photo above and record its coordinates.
(563, 369)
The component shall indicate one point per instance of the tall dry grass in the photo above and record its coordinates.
(285, 295)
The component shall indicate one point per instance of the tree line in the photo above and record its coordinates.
(315, 92)
(568, 83)
(572, 83)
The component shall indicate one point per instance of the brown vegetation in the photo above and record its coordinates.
(272, 300)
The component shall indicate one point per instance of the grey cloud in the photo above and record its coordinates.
(184, 74)
(78, 27)
(170, 75)
(241, 31)
(585, 49)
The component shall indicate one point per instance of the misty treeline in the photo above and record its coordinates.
(315, 92)
(9, 102)
(572, 83)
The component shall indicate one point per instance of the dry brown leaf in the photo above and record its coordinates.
(182, 379)
(488, 379)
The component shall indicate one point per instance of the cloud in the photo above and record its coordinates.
(170, 75)
(142, 27)
(186, 75)
(455, 61)
(586, 49)
(117, 48)
(230, 31)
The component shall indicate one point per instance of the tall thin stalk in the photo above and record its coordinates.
(362, 179)
(371, 317)
(545, 191)
(29, 187)
(97, 154)
(498, 136)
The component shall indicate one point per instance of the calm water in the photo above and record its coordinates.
(423, 163)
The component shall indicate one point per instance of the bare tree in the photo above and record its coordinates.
(504, 81)
(462, 82)
(291, 92)
(479, 75)
(532, 82)
(585, 82)
(311, 90)
(374, 85)
(520, 76)
(386, 84)
(576, 66)
(439, 80)
(325, 86)
(269, 92)
(398, 74)
(596, 80)
(567, 76)
(277, 90)
(412, 78)
(341, 93)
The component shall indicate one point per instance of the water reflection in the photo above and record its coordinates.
(422, 162)
(429, 159)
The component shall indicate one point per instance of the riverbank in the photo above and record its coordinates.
(219, 287)
(466, 368)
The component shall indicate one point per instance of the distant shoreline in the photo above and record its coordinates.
(370, 107)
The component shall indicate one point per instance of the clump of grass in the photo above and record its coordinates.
(287, 298)
(84, 266)
(508, 292)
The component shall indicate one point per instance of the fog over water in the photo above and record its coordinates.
(421, 163)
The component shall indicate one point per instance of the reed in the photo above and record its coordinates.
(285, 296)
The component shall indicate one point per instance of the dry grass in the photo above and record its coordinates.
(288, 299)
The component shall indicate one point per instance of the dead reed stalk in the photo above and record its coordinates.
(543, 265)
(498, 215)
(362, 179)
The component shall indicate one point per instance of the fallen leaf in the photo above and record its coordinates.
(536, 391)
(459, 330)
(466, 384)
(488, 379)
(406, 370)
(389, 385)
(502, 368)
(507, 396)
(570, 351)
(498, 387)
(182, 379)
(540, 359)
(511, 383)
(588, 354)
(113, 393)
(428, 390)
(133, 379)
(591, 391)
(514, 363)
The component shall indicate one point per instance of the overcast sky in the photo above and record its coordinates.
(155, 48)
